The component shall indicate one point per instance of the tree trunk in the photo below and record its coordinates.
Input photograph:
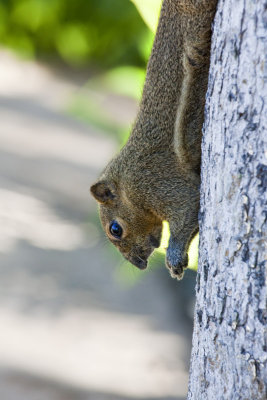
(229, 353)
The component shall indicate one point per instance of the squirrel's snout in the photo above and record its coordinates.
(138, 262)
(154, 241)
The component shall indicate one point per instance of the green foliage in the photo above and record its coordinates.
(102, 32)
(149, 9)
(124, 80)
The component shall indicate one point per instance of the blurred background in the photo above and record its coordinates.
(77, 321)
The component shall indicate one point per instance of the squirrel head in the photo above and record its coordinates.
(134, 231)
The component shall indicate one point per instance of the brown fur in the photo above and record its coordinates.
(155, 176)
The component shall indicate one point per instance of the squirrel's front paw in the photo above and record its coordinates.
(176, 261)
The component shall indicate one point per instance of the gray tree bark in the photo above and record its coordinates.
(229, 353)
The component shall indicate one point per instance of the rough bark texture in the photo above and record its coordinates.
(229, 343)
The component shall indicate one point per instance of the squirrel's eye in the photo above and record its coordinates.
(115, 229)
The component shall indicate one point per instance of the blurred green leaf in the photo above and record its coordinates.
(22, 44)
(145, 45)
(149, 9)
(72, 44)
(31, 13)
(193, 253)
(104, 33)
(3, 19)
(85, 109)
(126, 81)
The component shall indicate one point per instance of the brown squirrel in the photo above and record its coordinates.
(156, 175)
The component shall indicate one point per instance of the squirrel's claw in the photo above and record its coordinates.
(176, 262)
(177, 273)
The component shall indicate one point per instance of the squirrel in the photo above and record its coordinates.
(156, 175)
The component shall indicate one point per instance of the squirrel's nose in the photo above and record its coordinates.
(138, 262)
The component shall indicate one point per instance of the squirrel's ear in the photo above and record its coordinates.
(103, 192)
